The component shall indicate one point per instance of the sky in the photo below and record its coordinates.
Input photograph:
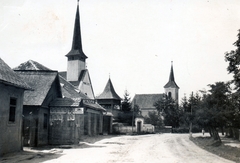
(131, 41)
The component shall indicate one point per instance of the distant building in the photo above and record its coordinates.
(171, 88)
(146, 101)
(11, 106)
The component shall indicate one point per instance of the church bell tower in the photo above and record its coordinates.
(76, 57)
(171, 88)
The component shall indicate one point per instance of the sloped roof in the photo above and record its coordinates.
(40, 81)
(95, 106)
(9, 77)
(80, 78)
(109, 92)
(171, 82)
(31, 65)
(76, 84)
(146, 101)
(66, 102)
(69, 90)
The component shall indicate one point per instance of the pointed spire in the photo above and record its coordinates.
(171, 76)
(77, 39)
(109, 92)
(171, 82)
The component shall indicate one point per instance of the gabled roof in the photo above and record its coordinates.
(171, 82)
(9, 77)
(146, 101)
(77, 39)
(109, 92)
(31, 65)
(76, 84)
(69, 90)
(41, 81)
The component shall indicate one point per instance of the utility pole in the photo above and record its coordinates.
(134, 101)
(190, 129)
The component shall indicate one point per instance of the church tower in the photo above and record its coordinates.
(76, 57)
(171, 88)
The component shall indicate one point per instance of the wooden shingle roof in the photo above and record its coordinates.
(66, 102)
(77, 39)
(109, 92)
(69, 90)
(9, 77)
(31, 65)
(40, 81)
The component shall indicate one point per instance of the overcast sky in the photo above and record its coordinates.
(132, 40)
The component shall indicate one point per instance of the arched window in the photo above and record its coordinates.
(170, 94)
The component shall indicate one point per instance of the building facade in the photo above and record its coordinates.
(11, 106)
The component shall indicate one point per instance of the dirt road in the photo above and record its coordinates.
(158, 148)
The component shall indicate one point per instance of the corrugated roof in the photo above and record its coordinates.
(146, 101)
(9, 77)
(40, 81)
(109, 92)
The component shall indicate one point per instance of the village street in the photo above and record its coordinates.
(166, 148)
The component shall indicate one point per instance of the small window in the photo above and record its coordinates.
(12, 109)
(45, 121)
(170, 94)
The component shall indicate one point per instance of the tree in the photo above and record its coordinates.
(233, 57)
(126, 104)
(154, 119)
(213, 108)
(169, 109)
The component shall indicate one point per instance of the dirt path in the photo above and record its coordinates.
(165, 148)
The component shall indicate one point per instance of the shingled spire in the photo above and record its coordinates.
(77, 39)
(109, 92)
(76, 56)
(171, 83)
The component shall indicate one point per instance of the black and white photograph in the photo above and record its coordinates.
(119, 81)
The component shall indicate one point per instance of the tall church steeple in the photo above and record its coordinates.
(171, 88)
(76, 57)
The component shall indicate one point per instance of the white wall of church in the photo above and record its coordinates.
(174, 93)
(74, 67)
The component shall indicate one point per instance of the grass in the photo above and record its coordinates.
(220, 149)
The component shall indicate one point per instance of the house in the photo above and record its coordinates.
(110, 100)
(36, 111)
(11, 106)
(146, 101)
